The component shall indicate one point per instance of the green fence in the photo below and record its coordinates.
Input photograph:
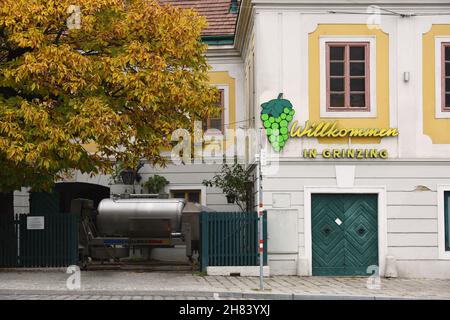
(56, 245)
(231, 239)
(9, 230)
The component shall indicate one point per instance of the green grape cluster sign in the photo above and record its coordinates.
(276, 116)
(278, 113)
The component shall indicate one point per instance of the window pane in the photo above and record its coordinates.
(337, 100)
(357, 53)
(194, 196)
(447, 69)
(337, 84)
(357, 84)
(447, 85)
(219, 102)
(215, 123)
(178, 194)
(447, 52)
(336, 53)
(357, 100)
(447, 100)
(357, 68)
(337, 68)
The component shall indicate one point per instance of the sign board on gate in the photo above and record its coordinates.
(35, 223)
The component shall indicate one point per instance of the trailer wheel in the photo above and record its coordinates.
(83, 262)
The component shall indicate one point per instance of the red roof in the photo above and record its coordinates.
(217, 12)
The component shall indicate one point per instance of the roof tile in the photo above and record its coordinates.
(217, 12)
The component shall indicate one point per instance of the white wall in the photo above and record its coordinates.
(281, 63)
(411, 211)
(281, 58)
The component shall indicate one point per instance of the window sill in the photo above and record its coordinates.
(442, 115)
(348, 114)
(444, 255)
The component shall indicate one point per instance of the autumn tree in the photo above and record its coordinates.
(122, 74)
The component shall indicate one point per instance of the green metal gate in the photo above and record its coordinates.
(56, 245)
(344, 233)
(231, 239)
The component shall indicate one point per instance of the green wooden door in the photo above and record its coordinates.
(344, 233)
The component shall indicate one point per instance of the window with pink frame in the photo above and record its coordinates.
(445, 76)
(347, 75)
(217, 121)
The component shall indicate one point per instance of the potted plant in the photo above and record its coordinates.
(231, 198)
(235, 182)
(155, 185)
(127, 176)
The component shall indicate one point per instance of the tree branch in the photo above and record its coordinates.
(15, 53)
(58, 36)
(8, 92)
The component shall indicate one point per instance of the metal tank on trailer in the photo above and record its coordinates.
(139, 222)
(146, 217)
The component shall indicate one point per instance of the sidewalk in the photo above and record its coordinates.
(188, 284)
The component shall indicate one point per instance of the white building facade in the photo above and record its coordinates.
(338, 216)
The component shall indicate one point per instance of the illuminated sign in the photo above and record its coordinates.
(276, 116)
(328, 129)
(278, 113)
(347, 153)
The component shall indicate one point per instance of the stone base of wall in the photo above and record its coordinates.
(244, 271)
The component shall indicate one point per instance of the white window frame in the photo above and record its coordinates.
(188, 187)
(443, 255)
(439, 114)
(372, 113)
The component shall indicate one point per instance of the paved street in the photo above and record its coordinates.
(107, 296)
(185, 285)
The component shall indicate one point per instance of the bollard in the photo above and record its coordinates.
(391, 267)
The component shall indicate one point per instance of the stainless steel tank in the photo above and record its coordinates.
(117, 216)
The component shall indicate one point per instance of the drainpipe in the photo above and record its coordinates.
(259, 163)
